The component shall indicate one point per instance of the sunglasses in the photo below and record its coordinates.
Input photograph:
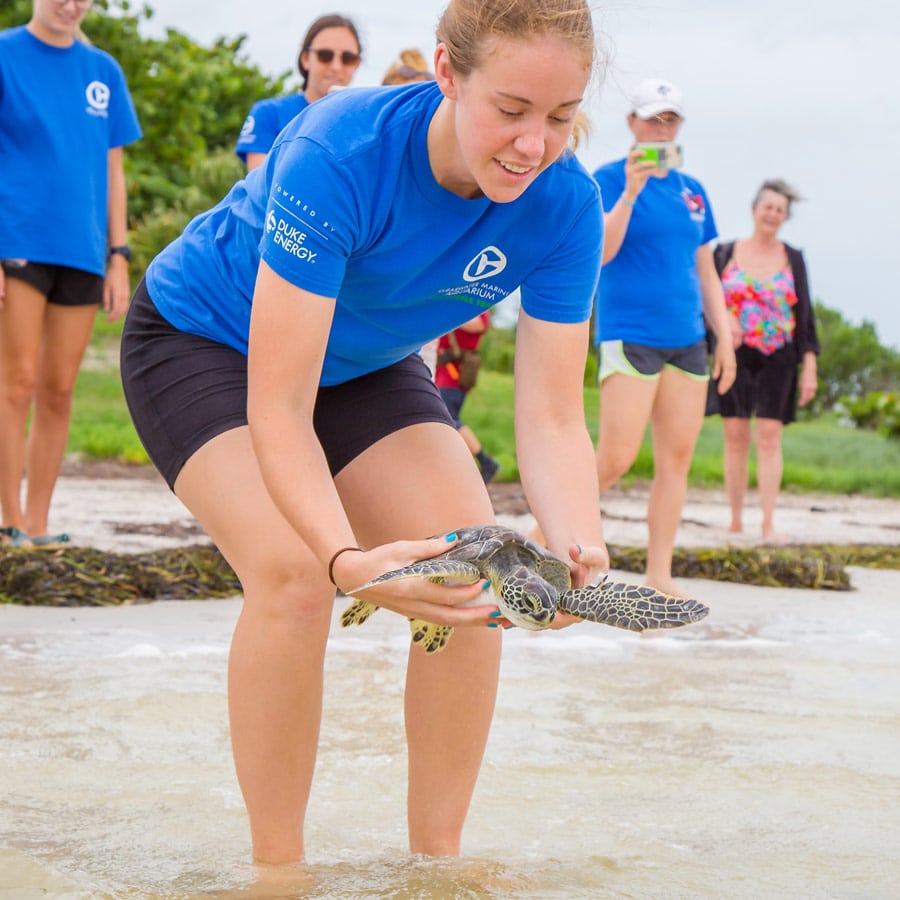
(325, 56)
(410, 72)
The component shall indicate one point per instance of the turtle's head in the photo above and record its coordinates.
(527, 600)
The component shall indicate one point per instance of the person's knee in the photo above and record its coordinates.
(19, 389)
(768, 439)
(288, 592)
(613, 462)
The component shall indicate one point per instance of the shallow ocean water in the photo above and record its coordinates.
(755, 754)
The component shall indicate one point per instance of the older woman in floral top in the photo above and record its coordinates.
(773, 327)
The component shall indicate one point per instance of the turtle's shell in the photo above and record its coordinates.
(480, 545)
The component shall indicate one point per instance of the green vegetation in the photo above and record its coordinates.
(820, 455)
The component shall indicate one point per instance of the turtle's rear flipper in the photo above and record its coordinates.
(631, 606)
(357, 613)
(432, 638)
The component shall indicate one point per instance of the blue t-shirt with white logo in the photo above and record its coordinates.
(264, 122)
(346, 206)
(650, 291)
(61, 111)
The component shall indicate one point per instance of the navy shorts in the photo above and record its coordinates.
(61, 285)
(183, 390)
(646, 362)
(765, 385)
(454, 397)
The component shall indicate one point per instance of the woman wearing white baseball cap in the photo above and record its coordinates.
(658, 283)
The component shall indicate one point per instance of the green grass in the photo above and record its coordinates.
(821, 455)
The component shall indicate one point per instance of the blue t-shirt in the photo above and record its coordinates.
(61, 111)
(650, 291)
(265, 121)
(346, 206)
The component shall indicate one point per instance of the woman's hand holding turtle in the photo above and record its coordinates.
(412, 597)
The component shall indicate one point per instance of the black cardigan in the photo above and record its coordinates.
(805, 337)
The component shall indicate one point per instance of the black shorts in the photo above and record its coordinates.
(61, 285)
(765, 385)
(183, 390)
(646, 362)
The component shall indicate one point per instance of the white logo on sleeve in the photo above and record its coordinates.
(97, 95)
(289, 238)
(487, 263)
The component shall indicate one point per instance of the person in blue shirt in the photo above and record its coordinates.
(659, 286)
(270, 364)
(329, 57)
(66, 115)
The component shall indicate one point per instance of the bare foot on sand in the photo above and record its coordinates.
(667, 586)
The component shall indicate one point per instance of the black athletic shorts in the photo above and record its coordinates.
(765, 385)
(61, 285)
(183, 390)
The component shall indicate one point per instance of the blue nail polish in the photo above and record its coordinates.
(496, 614)
(492, 624)
(486, 585)
(450, 537)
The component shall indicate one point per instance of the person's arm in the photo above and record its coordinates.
(809, 378)
(724, 365)
(117, 286)
(554, 449)
(617, 219)
(289, 330)
(254, 160)
(478, 325)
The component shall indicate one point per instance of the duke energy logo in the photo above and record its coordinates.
(289, 237)
(487, 263)
(97, 96)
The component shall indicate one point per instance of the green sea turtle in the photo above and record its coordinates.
(530, 585)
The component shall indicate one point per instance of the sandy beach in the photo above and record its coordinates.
(129, 508)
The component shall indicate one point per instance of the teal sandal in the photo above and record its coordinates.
(50, 540)
(14, 537)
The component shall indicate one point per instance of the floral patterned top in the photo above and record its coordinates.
(764, 308)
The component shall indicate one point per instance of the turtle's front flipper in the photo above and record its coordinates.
(435, 569)
(632, 606)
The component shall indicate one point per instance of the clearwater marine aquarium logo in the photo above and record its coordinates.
(97, 96)
(487, 263)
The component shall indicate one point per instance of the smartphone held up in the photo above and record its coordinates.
(665, 154)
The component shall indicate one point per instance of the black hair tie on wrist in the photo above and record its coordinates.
(333, 560)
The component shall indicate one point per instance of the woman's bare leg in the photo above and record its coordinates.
(677, 419)
(277, 652)
(21, 328)
(769, 470)
(415, 483)
(67, 330)
(736, 434)
(625, 405)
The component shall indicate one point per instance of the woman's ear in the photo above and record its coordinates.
(444, 73)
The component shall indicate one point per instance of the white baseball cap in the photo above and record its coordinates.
(653, 96)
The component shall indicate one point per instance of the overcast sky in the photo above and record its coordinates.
(796, 89)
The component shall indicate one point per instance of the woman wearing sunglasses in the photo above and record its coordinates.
(270, 365)
(66, 114)
(329, 57)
